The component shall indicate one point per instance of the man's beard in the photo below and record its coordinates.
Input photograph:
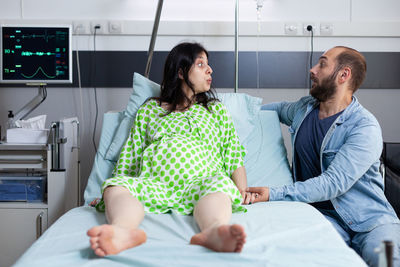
(325, 90)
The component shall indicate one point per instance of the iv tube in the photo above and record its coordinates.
(259, 6)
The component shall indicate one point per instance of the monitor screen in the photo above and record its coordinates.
(36, 54)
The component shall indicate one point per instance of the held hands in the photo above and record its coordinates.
(94, 202)
(249, 194)
(255, 194)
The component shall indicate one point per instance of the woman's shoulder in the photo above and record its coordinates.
(215, 104)
(149, 103)
(217, 107)
(147, 107)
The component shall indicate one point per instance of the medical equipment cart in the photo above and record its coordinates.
(49, 192)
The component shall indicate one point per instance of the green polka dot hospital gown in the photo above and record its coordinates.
(170, 162)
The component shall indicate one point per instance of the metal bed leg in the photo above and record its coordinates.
(389, 253)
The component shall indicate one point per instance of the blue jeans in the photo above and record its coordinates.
(365, 243)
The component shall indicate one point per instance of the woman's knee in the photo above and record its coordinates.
(114, 190)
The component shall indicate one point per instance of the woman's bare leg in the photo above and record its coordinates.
(212, 213)
(124, 214)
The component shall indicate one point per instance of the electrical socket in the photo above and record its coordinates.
(314, 28)
(80, 27)
(101, 24)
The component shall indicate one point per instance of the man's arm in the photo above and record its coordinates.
(286, 110)
(361, 149)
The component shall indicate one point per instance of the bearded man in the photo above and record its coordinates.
(337, 144)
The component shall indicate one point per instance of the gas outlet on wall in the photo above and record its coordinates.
(115, 27)
(291, 28)
(326, 29)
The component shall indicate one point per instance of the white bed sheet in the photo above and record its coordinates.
(278, 234)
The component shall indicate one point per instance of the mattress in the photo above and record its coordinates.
(278, 234)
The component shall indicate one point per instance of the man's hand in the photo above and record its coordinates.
(256, 194)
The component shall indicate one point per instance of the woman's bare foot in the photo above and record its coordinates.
(112, 239)
(225, 238)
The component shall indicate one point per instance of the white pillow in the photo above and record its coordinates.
(266, 159)
(243, 109)
(143, 89)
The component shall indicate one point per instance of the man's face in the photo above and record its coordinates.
(325, 88)
(324, 76)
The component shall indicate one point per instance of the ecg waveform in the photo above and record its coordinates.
(28, 53)
(33, 36)
(47, 37)
(36, 72)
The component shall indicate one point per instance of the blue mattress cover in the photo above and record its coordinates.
(278, 234)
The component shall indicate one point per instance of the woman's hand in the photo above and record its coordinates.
(94, 202)
(247, 197)
(255, 194)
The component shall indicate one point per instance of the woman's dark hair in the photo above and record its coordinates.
(180, 60)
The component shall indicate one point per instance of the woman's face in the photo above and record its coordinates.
(200, 74)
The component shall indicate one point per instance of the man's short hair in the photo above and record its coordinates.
(356, 62)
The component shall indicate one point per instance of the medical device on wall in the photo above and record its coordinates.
(36, 54)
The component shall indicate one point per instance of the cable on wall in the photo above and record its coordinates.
(94, 88)
(78, 64)
(78, 67)
(311, 30)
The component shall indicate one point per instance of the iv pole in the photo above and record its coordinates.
(236, 46)
(153, 38)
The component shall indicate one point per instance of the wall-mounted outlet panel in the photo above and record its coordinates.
(326, 28)
(115, 27)
(306, 24)
(80, 27)
(291, 28)
(101, 24)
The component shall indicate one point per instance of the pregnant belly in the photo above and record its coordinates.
(179, 156)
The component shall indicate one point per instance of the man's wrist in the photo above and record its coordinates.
(271, 193)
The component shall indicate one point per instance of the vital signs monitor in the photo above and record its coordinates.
(36, 54)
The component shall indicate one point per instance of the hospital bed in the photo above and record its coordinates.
(278, 233)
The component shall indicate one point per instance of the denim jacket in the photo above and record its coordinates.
(349, 159)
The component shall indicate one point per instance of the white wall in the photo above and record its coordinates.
(366, 25)
(205, 10)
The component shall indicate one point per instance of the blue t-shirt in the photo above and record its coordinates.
(308, 146)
